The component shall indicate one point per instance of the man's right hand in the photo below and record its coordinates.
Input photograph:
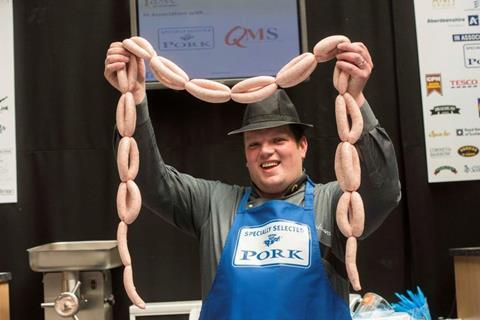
(117, 59)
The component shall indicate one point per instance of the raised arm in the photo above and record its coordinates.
(178, 198)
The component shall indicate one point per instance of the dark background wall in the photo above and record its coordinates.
(67, 177)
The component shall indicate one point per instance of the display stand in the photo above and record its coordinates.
(467, 281)
(5, 277)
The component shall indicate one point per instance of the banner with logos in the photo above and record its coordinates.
(8, 162)
(448, 35)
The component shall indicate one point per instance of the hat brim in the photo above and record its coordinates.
(267, 125)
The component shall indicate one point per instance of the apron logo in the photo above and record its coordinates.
(271, 239)
(278, 242)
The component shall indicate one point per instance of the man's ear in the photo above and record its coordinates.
(303, 146)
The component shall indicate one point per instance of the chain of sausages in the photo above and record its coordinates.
(350, 216)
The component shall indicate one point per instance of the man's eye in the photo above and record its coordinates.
(279, 140)
(253, 145)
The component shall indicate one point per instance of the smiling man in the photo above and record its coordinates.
(271, 250)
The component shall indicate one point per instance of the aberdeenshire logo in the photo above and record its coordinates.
(241, 36)
(473, 20)
(434, 83)
(445, 109)
(443, 4)
(445, 168)
(468, 151)
(278, 242)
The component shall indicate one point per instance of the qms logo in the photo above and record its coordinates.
(239, 36)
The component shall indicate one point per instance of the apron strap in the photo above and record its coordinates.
(243, 203)
(308, 194)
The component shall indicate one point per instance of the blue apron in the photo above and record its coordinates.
(271, 267)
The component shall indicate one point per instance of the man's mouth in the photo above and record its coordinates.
(269, 164)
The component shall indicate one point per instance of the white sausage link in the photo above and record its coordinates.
(356, 117)
(356, 214)
(350, 167)
(132, 71)
(122, 80)
(343, 79)
(166, 75)
(128, 159)
(130, 287)
(341, 118)
(326, 49)
(296, 71)
(208, 90)
(123, 244)
(351, 263)
(134, 48)
(145, 45)
(254, 89)
(342, 215)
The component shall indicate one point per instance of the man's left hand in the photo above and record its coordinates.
(354, 59)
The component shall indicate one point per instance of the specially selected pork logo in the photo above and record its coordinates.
(434, 83)
(468, 151)
(188, 38)
(471, 55)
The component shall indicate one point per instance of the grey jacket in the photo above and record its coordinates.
(206, 209)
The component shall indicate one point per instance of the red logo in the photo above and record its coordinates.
(239, 36)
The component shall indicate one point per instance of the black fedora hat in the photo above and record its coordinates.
(275, 111)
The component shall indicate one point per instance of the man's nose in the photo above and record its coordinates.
(267, 149)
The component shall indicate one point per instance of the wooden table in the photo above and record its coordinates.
(467, 282)
(4, 295)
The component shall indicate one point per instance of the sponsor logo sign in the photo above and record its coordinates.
(471, 169)
(471, 53)
(445, 168)
(441, 152)
(434, 83)
(3, 104)
(468, 151)
(240, 36)
(445, 109)
(450, 21)
(159, 3)
(443, 4)
(466, 37)
(435, 134)
(463, 83)
(278, 242)
(473, 20)
(191, 38)
(468, 132)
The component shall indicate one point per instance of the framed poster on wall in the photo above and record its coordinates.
(8, 162)
(448, 36)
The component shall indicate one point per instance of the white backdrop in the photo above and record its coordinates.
(8, 163)
(448, 35)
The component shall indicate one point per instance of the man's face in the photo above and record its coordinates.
(274, 159)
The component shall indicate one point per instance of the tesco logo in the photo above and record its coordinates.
(464, 83)
(239, 36)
